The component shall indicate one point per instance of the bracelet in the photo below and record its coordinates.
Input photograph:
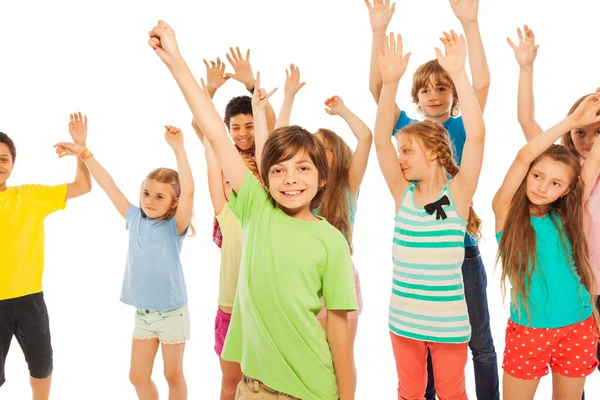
(86, 155)
(252, 90)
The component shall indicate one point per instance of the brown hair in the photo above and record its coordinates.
(171, 177)
(251, 164)
(518, 245)
(284, 143)
(566, 139)
(335, 208)
(435, 137)
(4, 138)
(432, 72)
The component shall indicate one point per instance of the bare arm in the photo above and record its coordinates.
(215, 182)
(466, 11)
(185, 205)
(585, 114)
(525, 53)
(162, 40)
(380, 15)
(83, 182)
(363, 135)
(259, 101)
(591, 169)
(291, 88)
(341, 352)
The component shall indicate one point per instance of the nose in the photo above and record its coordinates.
(243, 132)
(290, 178)
(543, 187)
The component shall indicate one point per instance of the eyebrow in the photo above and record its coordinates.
(158, 193)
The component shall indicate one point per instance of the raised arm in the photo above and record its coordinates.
(591, 166)
(215, 76)
(466, 11)
(102, 178)
(162, 40)
(525, 54)
(335, 106)
(292, 86)
(465, 182)
(260, 99)
(392, 66)
(380, 15)
(185, 205)
(243, 74)
(585, 114)
(83, 182)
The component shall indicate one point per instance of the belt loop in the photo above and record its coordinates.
(255, 386)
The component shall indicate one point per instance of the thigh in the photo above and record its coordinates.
(173, 359)
(566, 388)
(449, 361)
(475, 283)
(143, 352)
(411, 365)
(32, 330)
(232, 371)
(518, 389)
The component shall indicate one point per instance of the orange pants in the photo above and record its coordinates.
(448, 359)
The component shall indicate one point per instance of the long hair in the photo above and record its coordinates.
(518, 246)
(334, 207)
(170, 177)
(429, 72)
(566, 138)
(284, 143)
(435, 137)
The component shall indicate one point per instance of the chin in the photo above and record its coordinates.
(245, 145)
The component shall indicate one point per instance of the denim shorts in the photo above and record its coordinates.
(168, 326)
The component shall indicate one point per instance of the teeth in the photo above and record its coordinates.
(292, 193)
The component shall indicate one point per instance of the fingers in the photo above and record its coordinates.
(392, 43)
(511, 44)
(270, 94)
(154, 42)
(235, 57)
(202, 85)
(368, 3)
(229, 59)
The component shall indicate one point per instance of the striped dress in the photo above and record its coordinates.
(428, 298)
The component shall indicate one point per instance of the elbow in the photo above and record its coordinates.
(375, 90)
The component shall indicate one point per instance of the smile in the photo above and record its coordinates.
(292, 193)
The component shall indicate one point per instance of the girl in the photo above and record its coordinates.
(290, 256)
(580, 139)
(551, 319)
(231, 254)
(154, 283)
(428, 309)
(346, 172)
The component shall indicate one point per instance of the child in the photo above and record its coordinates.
(346, 171)
(290, 257)
(428, 311)
(581, 139)
(545, 258)
(435, 95)
(231, 255)
(238, 112)
(153, 283)
(23, 208)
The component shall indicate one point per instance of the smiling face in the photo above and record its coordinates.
(157, 199)
(6, 165)
(241, 129)
(547, 181)
(584, 138)
(436, 100)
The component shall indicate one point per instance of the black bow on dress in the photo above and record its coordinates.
(437, 206)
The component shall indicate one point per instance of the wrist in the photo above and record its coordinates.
(469, 23)
(85, 155)
(527, 67)
(250, 85)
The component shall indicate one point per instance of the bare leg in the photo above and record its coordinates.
(173, 359)
(40, 388)
(143, 352)
(519, 389)
(232, 375)
(564, 388)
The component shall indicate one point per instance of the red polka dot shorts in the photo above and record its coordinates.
(569, 351)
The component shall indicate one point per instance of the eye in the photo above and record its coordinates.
(557, 184)
(4, 160)
(160, 197)
(442, 89)
(304, 168)
(276, 171)
(146, 194)
(598, 132)
(406, 151)
(424, 91)
(580, 132)
(536, 176)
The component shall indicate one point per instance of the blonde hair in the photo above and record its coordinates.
(435, 137)
(432, 72)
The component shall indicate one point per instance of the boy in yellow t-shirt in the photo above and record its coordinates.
(23, 209)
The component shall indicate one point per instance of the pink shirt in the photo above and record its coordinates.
(592, 229)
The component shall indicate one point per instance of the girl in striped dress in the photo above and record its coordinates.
(427, 307)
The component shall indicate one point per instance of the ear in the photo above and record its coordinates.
(431, 155)
(175, 203)
(566, 193)
(322, 183)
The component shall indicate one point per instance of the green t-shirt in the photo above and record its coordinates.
(287, 266)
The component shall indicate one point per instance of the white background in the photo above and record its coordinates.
(64, 56)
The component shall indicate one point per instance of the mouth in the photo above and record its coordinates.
(243, 140)
(149, 208)
(404, 169)
(291, 194)
(539, 196)
(434, 105)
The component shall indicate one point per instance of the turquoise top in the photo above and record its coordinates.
(557, 297)
(351, 208)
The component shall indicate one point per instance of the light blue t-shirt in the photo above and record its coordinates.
(352, 202)
(458, 137)
(556, 297)
(153, 274)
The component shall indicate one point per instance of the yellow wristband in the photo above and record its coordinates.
(86, 155)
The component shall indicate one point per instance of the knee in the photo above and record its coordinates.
(483, 350)
(229, 384)
(40, 368)
(174, 377)
(139, 378)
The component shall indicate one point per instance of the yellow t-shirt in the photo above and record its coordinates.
(231, 255)
(22, 213)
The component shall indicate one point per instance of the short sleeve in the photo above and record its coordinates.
(251, 198)
(49, 198)
(339, 292)
(403, 121)
(133, 216)
(458, 137)
(173, 227)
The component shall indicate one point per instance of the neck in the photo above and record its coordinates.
(439, 119)
(433, 183)
(538, 211)
(3, 187)
(303, 214)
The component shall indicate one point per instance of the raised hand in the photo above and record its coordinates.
(260, 96)
(215, 74)
(465, 10)
(69, 149)
(335, 105)
(174, 137)
(292, 81)
(526, 51)
(162, 40)
(587, 112)
(78, 128)
(456, 53)
(242, 68)
(380, 14)
(392, 64)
